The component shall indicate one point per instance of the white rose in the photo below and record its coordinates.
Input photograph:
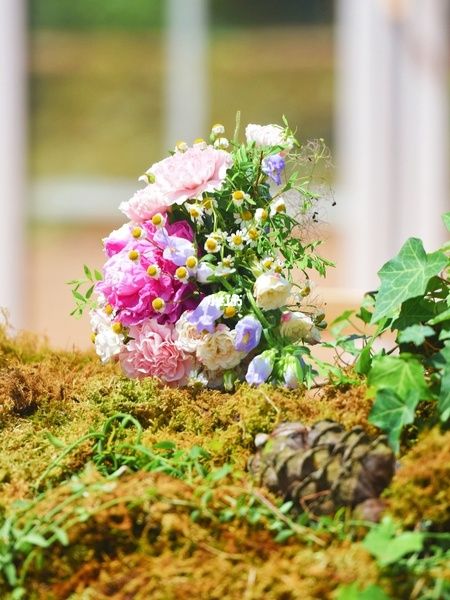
(299, 326)
(107, 342)
(216, 350)
(267, 135)
(271, 291)
(187, 335)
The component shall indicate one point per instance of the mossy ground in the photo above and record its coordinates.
(136, 536)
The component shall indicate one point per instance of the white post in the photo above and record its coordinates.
(12, 157)
(391, 128)
(186, 70)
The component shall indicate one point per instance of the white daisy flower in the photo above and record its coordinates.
(154, 271)
(196, 212)
(158, 220)
(182, 274)
(253, 235)
(261, 214)
(238, 197)
(181, 146)
(225, 267)
(191, 264)
(212, 245)
(217, 129)
(243, 217)
(200, 143)
(222, 143)
(277, 206)
(209, 203)
(237, 240)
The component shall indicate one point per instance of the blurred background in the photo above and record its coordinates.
(93, 92)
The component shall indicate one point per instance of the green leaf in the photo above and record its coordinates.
(35, 539)
(98, 276)
(402, 374)
(87, 272)
(387, 547)
(283, 535)
(364, 361)
(405, 276)
(444, 396)
(443, 316)
(352, 592)
(415, 334)
(414, 311)
(391, 413)
(446, 220)
(61, 536)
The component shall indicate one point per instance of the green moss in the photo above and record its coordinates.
(420, 488)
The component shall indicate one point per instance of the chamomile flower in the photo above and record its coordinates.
(243, 217)
(196, 211)
(181, 146)
(277, 207)
(278, 265)
(232, 303)
(267, 262)
(217, 129)
(261, 214)
(147, 178)
(222, 143)
(158, 305)
(238, 197)
(133, 255)
(154, 271)
(212, 245)
(158, 220)
(200, 143)
(209, 203)
(182, 274)
(225, 267)
(191, 264)
(137, 233)
(237, 240)
(253, 235)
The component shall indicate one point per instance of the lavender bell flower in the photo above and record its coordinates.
(176, 249)
(273, 167)
(260, 368)
(292, 372)
(248, 333)
(204, 317)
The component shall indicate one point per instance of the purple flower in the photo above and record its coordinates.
(204, 317)
(248, 333)
(260, 368)
(177, 250)
(273, 166)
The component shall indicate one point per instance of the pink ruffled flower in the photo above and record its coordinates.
(152, 352)
(145, 203)
(130, 290)
(117, 240)
(188, 174)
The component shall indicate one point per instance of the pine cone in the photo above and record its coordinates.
(323, 467)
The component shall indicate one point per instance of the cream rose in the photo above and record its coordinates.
(216, 350)
(187, 336)
(299, 326)
(271, 291)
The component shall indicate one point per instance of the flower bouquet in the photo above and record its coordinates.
(199, 285)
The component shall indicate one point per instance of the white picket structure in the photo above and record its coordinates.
(392, 128)
(13, 47)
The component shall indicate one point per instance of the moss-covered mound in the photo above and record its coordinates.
(111, 488)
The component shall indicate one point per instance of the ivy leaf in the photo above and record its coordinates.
(401, 374)
(415, 334)
(387, 547)
(406, 276)
(444, 396)
(391, 413)
(413, 311)
(352, 592)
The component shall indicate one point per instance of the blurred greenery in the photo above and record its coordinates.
(145, 14)
(97, 97)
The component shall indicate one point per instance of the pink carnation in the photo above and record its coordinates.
(145, 203)
(152, 352)
(188, 174)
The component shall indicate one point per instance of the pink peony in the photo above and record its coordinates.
(152, 352)
(188, 174)
(130, 290)
(145, 203)
(117, 240)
